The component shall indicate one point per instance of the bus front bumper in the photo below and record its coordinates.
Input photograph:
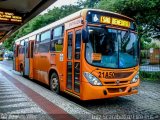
(100, 92)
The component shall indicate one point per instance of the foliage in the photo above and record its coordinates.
(1, 46)
(87, 3)
(154, 45)
(144, 54)
(150, 75)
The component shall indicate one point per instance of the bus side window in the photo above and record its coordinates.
(21, 48)
(36, 43)
(78, 44)
(44, 44)
(31, 52)
(57, 39)
(15, 50)
(70, 38)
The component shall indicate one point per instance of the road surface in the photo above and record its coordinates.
(144, 105)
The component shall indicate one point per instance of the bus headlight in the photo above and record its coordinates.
(135, 79)
(92, 79)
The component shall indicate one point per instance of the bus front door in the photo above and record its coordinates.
(73, 61)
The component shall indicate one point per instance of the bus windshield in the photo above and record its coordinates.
(112, 48)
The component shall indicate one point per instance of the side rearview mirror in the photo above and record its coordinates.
(85, 36)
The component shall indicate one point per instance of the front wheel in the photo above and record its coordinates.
(54, 83)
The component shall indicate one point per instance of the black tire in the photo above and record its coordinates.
(54, 83)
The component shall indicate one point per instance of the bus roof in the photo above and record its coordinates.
(54, 24)
(66, 19)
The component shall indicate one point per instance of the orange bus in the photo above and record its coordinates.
(91, 54)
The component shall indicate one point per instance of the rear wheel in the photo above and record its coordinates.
(54, 83)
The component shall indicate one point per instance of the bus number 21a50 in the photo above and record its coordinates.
(106, 75)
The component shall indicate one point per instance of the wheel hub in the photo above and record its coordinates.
(54, 83)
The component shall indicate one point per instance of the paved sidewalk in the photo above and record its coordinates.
(45, 102)
(14, 104)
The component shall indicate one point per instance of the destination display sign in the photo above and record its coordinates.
(114, 21)
(103, 18)
(9, 17)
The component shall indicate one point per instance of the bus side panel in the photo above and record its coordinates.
(44, 67)
(17, 64)
(21, 61)
(35, 66)
(31, 68)
(60, 67)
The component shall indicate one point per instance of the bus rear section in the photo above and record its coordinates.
(23, 57)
